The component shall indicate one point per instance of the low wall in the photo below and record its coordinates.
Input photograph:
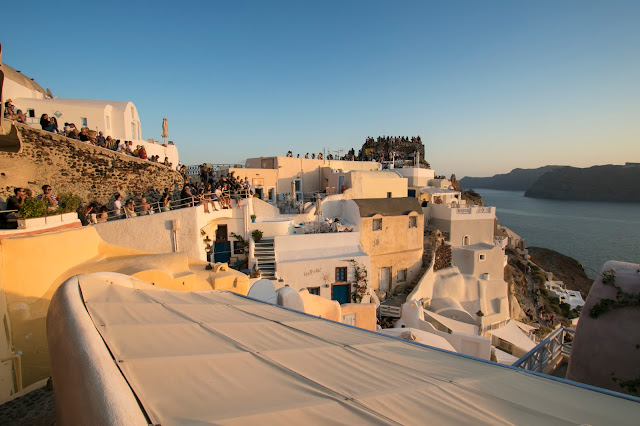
(93, 173)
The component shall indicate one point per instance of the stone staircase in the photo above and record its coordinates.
(266, 258)
(427, 256)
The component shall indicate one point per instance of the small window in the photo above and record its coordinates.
(349, 319)
(341, 274)
(466, 240)
(402, 275)
(482, 257)
(31, 112)
(413, 222)
(388, 195)
(83, 120)
(314, 290)
(377, 224)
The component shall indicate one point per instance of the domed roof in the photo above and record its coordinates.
(16, 76)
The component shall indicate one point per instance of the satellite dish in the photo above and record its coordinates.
(49, 94)
(263, 290)
(290, 298)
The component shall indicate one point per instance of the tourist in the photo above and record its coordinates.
(84, 134)
(20, 117)
(29, 193)
(44, 122)
(166, 201)
(144, 208)
(129, 208)
(53, 125)
(289, 154)
(100, 140)
(9, 112)
(14, 203)
(186, 198)
(142, 152)
(102, 215)
(306, 155)
(339, 227)
(48, 197)
(117, 205)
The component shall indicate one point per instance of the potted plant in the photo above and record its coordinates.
(253, 218)
(33, 212)
(257, 235)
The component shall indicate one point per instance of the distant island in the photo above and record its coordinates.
(515, 180)
(597, 183)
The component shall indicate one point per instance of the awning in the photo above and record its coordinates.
(511, 333)
(127, 352)
(453, 325)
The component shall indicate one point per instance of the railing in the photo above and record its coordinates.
(194, 170)
(464, 211)
(547, 352)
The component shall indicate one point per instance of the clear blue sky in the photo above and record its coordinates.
(489, 85)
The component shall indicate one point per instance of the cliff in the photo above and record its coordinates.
(92, 173)
(515, 180)
(597, 183)
(565, 268)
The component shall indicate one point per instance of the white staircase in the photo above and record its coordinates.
(266, 258)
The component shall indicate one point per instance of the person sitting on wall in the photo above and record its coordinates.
(48, 196)
(84, 134)
(129, 209)
(339, 227)
(142, 152)
(53, 125)
(289, 154)
(71, 131)
(45, 123)
(20, 117)
(9, 110)
(100, 140)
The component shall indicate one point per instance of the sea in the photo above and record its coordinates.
(590, 232)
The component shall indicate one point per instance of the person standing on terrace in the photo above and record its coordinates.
(117, 205)
(48, 196)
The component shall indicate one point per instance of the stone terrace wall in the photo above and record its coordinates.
(93, 173)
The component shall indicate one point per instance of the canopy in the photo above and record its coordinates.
(512, 334)
(217, 357)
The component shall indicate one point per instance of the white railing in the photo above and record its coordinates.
(547, 352)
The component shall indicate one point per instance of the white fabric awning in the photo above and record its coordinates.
(453, 325)
(219, 358)
(512, 334)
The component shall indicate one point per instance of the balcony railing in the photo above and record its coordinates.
(547, 352)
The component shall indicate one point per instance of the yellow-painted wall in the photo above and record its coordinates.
(33, 267)
(365, 314)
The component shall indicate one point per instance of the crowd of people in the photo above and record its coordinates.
(394, 139)
(313, 156)
(84, 134)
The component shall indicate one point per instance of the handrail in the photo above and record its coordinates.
(538, 358)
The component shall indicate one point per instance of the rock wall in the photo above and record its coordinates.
(92, 173)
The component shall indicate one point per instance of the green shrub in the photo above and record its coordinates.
(32, 207)
(256, 234)
(68, 203)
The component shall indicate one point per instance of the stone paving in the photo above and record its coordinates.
(35, 408)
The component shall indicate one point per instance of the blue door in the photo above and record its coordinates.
(222, 252)
(341, 293)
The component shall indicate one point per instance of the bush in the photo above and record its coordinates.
(32, 207)
(257, 235)
(68, 203)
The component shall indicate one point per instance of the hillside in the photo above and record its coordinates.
(597, 183)
(515, 180)
(565, 268)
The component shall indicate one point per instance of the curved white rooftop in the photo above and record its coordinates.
(126, 352)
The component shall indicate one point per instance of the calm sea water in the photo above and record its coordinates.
(590, 232)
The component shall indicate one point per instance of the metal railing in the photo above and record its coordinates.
(547, 352)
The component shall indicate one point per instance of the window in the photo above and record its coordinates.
(377, 224)
(482, 257)
(83, 120)
(341, 274)
(411, 193)
(466, 240)
(389, 195)
(349, 319)
(402, 275)
(31, 113)
(413, 222)
(314, 290)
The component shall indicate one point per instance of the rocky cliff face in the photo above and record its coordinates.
(565, 268)
(597, 183)
(92, 173)
(515, 180)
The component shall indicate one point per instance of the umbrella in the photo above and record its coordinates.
(165, 130)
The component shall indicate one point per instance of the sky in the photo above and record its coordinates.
(488, 85)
